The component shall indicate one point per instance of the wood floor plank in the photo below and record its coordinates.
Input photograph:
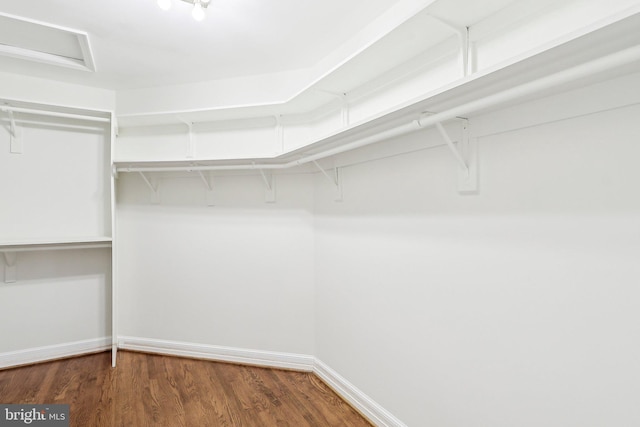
(163, 391)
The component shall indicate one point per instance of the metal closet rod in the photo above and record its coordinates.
(7, 108)
(605, 63)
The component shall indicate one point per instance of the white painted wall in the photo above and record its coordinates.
(237, 274)
(60, 297)
(516, 306)
(58, 188)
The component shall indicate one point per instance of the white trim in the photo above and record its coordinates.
(355, 397)
(299, 362)
(85, 63)
(50, 352)
(269, 359)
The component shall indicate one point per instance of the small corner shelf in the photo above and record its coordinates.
(10, 249)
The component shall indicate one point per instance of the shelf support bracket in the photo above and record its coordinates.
(344, 105)
(191, 146)
(463, 37)
(208, 187)
(15, 142)
(335, 180)
(279, 134)
(466, 155)
(155, 190)
(465, 47)
(452, 147)
(116, 128)
(10, 270)
(270, 187)
(344, 112)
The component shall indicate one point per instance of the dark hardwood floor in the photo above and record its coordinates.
(153, 390)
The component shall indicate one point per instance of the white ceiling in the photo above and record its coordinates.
(136, 44)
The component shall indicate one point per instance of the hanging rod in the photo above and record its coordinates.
(605, 63)
(7, 108)
(84, 126)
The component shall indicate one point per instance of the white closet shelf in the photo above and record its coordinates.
(312, 101)
(10, 249)
(577, 60)
(49, 244)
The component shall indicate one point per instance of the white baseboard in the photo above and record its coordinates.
(355, 397)
(298, 362)
(51, 352)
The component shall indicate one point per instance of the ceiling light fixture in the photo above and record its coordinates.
(164, 4)
(198, 11)
(198, 7)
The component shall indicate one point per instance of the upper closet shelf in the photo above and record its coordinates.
(595, 54)
(404, 53)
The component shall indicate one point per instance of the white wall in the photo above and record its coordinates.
(61, 297)
(57, 189)
(516, 306)
(59, 186)
(237, 274)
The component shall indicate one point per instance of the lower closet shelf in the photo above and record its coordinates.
(10, 249)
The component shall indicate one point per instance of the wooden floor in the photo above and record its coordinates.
(152, 390)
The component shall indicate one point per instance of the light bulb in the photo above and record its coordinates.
(164, 4)
(198, 12)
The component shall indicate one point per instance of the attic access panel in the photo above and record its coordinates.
(45, 43)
